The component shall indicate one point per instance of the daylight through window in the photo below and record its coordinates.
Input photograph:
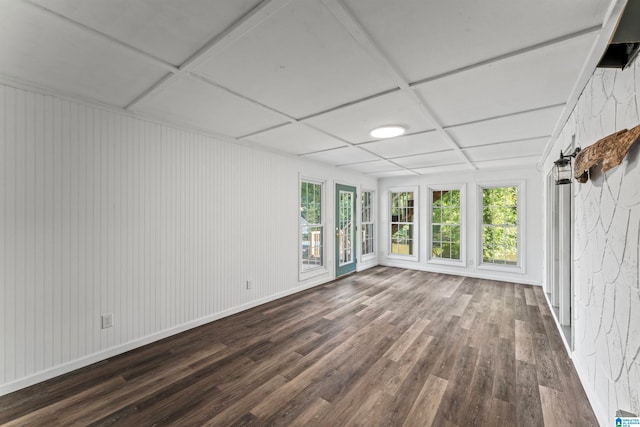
(402, 222)
(445, 224)
(311, 226)
(500, 225)
(367, 223)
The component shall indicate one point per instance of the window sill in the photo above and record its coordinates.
(403, 257)
(310, 274)
(502, 267)
(367, 257)
(454, 263)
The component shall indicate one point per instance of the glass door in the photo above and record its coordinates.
(345, 229)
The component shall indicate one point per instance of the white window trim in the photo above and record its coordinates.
(323, 269)
(462, 262)
(372, 255)
(357, 257)
(416, 223)
(520, 266)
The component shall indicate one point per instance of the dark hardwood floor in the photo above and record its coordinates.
(383, 347)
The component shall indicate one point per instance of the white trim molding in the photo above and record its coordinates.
(415, 238)
(462, 262)
(323, 268)
(521, 209)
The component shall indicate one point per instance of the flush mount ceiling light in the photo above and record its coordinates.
(388, 131)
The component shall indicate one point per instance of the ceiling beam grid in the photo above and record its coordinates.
(95, 33)
(509, 55)
(267, 8)
(221, 41)
(350, 23)
(597, 49)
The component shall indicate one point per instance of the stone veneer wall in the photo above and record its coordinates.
(607, 237)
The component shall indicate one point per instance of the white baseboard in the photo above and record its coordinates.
(365, 265)
(122, 348)
(601, 413)
(567, 346)
(434, 269)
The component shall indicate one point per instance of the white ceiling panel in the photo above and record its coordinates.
(529, 147)
(526, 161)
(519, 126)
(409, 145)
(401, 172)
(296, 139)
(354, 122)
(208, 108)
(537, 79)
(342, 156)
(428, 38)
(375, 166)
(432, 159)
(338, 67)
(168, 29)
(301, 62)
(43, 50)
(443, 169)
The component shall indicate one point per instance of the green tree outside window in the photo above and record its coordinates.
(402, 224)
(500, 225)
(445, 224)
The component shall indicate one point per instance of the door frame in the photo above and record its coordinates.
(349, 267)
(559, 278)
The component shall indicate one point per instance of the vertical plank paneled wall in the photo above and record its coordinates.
(102, 212)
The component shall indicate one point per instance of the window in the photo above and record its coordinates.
(446, 224)
(311, 226)
(402, 223)
(367, 223)
(500, 218)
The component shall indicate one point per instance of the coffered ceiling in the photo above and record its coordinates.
(477, 83)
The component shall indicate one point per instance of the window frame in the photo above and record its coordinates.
(322, 268)
(463, 229)
(519, 267)
(372, 221)
(415, 239)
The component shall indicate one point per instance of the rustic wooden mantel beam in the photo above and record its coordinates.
(611, 150)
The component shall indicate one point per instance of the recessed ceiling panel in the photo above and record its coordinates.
(427, 38)
(37, 48)
(295, 139)
(354, 122)
(206, 107)
(529, 147)
(443, 169)
(433, 159)
(168, 29)
(409, 145)
(297, 58)
(536, 79)
(386, 174)
(374, 166)
(534, 124)
(342, 156)
(505, 164)
(300, 61)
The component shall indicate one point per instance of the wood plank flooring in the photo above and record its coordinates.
(386, 347)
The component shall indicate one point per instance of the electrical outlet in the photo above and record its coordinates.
(107, 320)
(249, 284)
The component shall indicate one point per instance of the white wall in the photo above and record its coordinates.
(102, 212)
(531, 223)
(607, 237)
